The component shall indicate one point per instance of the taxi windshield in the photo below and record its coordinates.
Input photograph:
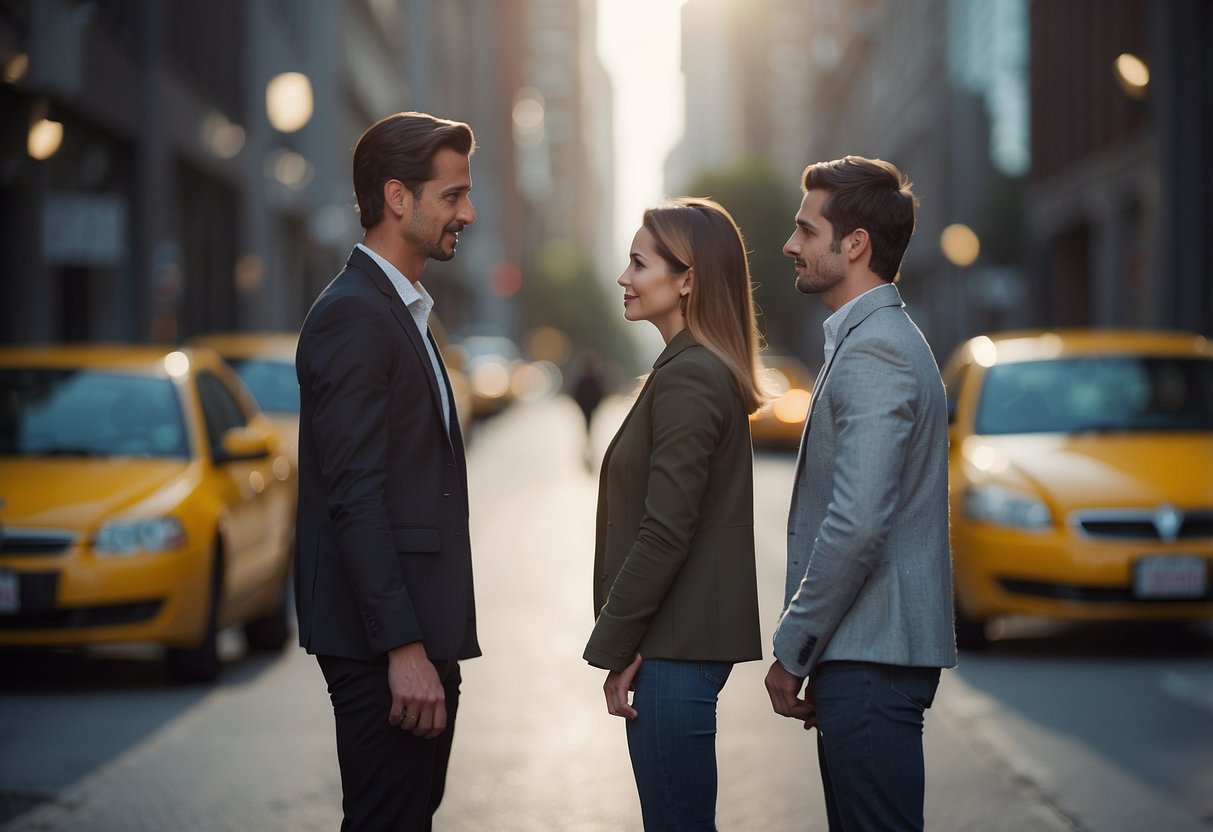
(76, 412)
(1097, 394)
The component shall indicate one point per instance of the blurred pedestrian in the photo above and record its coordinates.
(589, 388)
(868, 604)
(675, 591)
(383, 579)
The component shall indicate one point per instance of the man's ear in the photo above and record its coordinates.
(397, 199)
(856, 244)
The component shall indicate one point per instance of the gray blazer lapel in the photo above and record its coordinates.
(879, 297)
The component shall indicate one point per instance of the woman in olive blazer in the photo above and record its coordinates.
(675, 590)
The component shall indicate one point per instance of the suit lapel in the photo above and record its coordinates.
(867, 304)
(677, 344)
(364, 263)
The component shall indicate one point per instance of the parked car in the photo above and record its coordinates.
(779, 423)
(490, 363)
(1081, 476)
(143, 498)
(265, 362)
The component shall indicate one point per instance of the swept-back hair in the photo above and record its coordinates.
(402, 146)
(699, 234)
(871, 194)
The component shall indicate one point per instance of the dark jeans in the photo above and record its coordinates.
(869, 743)
(672, 742)
(390, 779)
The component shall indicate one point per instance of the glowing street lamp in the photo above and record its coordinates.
(1133, 75)
(288, 101)
(44, 139)
(960, 245)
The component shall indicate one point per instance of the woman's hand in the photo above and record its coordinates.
(618, 684)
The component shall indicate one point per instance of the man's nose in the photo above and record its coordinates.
(468, 215)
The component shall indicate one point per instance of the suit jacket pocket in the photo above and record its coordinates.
(416, 539)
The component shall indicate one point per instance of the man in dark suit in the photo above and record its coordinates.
(383, 574)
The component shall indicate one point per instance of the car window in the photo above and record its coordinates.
(273, 383)
(219, 407)
(1116, 393)
(76, 412)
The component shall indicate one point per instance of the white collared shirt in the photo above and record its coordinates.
(832, 324)
(419, 304)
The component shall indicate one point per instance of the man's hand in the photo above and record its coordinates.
(783, 688)
(418, 698)
(616, 687)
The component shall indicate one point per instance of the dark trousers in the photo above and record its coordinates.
(869, 743)
(390, 779)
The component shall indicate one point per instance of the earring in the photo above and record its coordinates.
(682, 305)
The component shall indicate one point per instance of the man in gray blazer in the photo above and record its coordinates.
(867, 621)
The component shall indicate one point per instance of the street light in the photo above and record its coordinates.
(288, 101)
(960, 245)
(1133, 75)
(44, 139)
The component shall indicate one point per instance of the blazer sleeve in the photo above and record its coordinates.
(688, 417)
(351, 374)
(872, 400)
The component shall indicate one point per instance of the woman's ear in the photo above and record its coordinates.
(688, 280)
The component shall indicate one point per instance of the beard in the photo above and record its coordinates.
(433, 246)
(824, 274)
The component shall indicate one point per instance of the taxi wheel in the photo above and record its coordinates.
(271, 632)
(970, 632)
(201, 663)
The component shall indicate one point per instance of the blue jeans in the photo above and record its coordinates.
(672, 741)
(869, 743)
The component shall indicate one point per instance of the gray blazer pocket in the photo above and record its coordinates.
(416, 540)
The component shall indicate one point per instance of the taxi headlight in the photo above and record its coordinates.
(129, 537)
(1003, 507)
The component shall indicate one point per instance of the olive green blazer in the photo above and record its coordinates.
(674, 574)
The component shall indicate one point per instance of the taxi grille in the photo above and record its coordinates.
(1145, 524)
(34, 541)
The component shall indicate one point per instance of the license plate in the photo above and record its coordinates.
(1174, 577)
(10, 592)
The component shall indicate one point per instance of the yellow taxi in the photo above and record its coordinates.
(143, 498)
(265, 362)
(1081, 476)
(779, 423)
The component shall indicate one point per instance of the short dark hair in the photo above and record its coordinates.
(871, 194)
(402, 146)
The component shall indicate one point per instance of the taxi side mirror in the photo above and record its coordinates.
(241, 444)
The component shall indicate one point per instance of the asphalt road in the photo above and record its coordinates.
(1106, 729)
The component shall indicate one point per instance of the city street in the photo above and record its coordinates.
(1100, 729)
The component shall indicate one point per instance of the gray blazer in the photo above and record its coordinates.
(869, 563)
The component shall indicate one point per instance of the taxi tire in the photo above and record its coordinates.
(970, 632)
(201, 663)
(271, 632)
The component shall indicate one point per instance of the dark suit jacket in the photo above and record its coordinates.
(382, 556)
(674, 574)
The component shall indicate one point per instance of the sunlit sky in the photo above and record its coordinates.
(638, 41)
